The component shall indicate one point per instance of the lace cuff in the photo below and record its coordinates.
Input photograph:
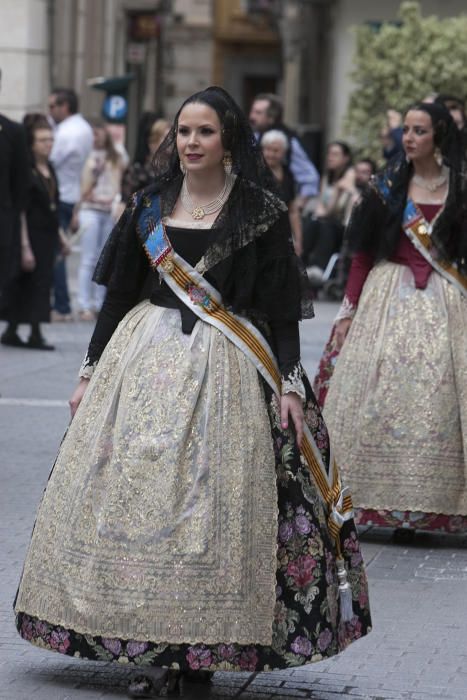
(293, 382)
(347, 310)
(87, 368)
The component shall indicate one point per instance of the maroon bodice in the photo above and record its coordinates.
(405, 254)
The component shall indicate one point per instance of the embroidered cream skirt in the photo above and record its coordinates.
(397, 404)
(159, 521)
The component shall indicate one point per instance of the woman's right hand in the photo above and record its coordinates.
(77, 395)
(341, 330)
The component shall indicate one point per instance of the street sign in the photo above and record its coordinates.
(136, 53)
(115, 107)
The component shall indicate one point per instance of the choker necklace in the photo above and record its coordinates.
(200, 211)
(432, 185)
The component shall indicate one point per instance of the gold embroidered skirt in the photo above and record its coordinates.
(159, 521)
(397, 404)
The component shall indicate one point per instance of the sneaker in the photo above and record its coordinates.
(57, 317)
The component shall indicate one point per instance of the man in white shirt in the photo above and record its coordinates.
(72, 145)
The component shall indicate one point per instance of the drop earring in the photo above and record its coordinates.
(438, 156)
(227, 162)
(182, 168)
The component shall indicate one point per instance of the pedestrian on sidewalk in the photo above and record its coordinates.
(194, 519)
(397, 401)
(14, 170)
(72, 145)
(100, 187)
(26, 298)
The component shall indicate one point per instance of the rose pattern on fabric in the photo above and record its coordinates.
(326, 368)
(301, 646)
(199, 657)
(431, 522)
(302, 571)
(134, 649)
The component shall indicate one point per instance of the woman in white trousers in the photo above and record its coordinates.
(100, 188)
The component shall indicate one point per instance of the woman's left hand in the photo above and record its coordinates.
(28, 261)
(298, 247)
(74, 223)
(292, 404)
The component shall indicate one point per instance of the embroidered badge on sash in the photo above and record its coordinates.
(199, 296)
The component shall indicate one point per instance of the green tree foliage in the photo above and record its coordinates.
(401, 63)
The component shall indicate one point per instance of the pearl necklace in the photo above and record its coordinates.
(200, 211)
(432, 185)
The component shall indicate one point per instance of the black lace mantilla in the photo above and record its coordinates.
(252, 264)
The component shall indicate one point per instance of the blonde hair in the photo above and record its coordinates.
(109, 147)
(158, 131)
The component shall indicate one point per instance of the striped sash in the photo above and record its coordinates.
(418, 230)
(206, 302)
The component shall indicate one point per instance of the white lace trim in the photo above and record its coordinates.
(347, 310)
(293, 382)
(87, 369)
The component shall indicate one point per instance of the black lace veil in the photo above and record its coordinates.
(258, 200)
(376, 222)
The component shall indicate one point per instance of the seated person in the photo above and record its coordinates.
(323, 233)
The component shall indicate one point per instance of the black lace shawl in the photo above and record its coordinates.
(251, 262)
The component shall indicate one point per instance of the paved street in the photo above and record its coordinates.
(417, 651)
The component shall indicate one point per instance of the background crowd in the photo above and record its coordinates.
(64, 182)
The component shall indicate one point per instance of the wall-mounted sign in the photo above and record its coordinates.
(115, 105)
(143, 26)
(136, 53)
(115, 108)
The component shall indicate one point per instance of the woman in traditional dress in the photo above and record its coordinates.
(194, 519)
(397, 402)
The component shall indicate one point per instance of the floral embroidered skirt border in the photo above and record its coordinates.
(175, 529)
(396, 407)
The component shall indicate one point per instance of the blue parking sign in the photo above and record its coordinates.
(115, 108)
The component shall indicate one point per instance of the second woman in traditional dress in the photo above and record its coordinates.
(397, 401)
